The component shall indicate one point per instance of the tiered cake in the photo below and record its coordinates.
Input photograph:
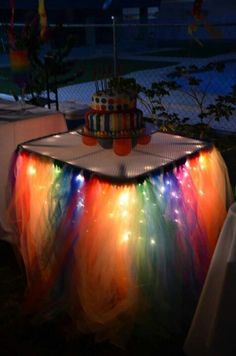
(114, 114)
(114, 121)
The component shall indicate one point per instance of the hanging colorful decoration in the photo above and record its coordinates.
(24, 42)
(42, 18)
(197, 9)
(20, 66)
(200, 20)
(22, 39)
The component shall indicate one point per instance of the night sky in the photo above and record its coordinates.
(57, 4)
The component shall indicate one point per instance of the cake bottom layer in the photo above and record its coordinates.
(114, 122)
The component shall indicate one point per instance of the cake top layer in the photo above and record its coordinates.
(113, 100)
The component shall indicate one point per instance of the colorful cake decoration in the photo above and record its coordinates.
(114, 120)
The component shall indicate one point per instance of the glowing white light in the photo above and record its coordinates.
(31, 170)
(186, 174)
(153, 242)
(202, 162)
(57, 170)
(176, 211)
(126, 236)
(124, 213)
(124, 198)
(94, 168)
(79, 178)
(57, 136)
(174, 195)
(188, 152)
(162, 189)
(168, 182)
(80, 204)
(73, 133)
(148, 168)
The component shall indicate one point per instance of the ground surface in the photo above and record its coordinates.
(19, 336)
(88, 70)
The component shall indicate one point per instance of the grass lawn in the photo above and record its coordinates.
(102, 66)
(194, 50)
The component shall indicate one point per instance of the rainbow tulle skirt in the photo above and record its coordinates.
(113, 256)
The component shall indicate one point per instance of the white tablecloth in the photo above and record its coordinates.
(162, 150)
(213, 330)
(17, 127)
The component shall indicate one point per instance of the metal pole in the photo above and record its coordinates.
(114, 47)
(56, 93)
(46, 59)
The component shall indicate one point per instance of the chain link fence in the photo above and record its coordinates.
(149, 53)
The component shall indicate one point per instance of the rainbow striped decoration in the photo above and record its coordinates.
(42, 18)
(20, 66)
(114, 122)
(109, 254)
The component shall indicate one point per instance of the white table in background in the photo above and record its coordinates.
(212, 332)
(17, 126)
